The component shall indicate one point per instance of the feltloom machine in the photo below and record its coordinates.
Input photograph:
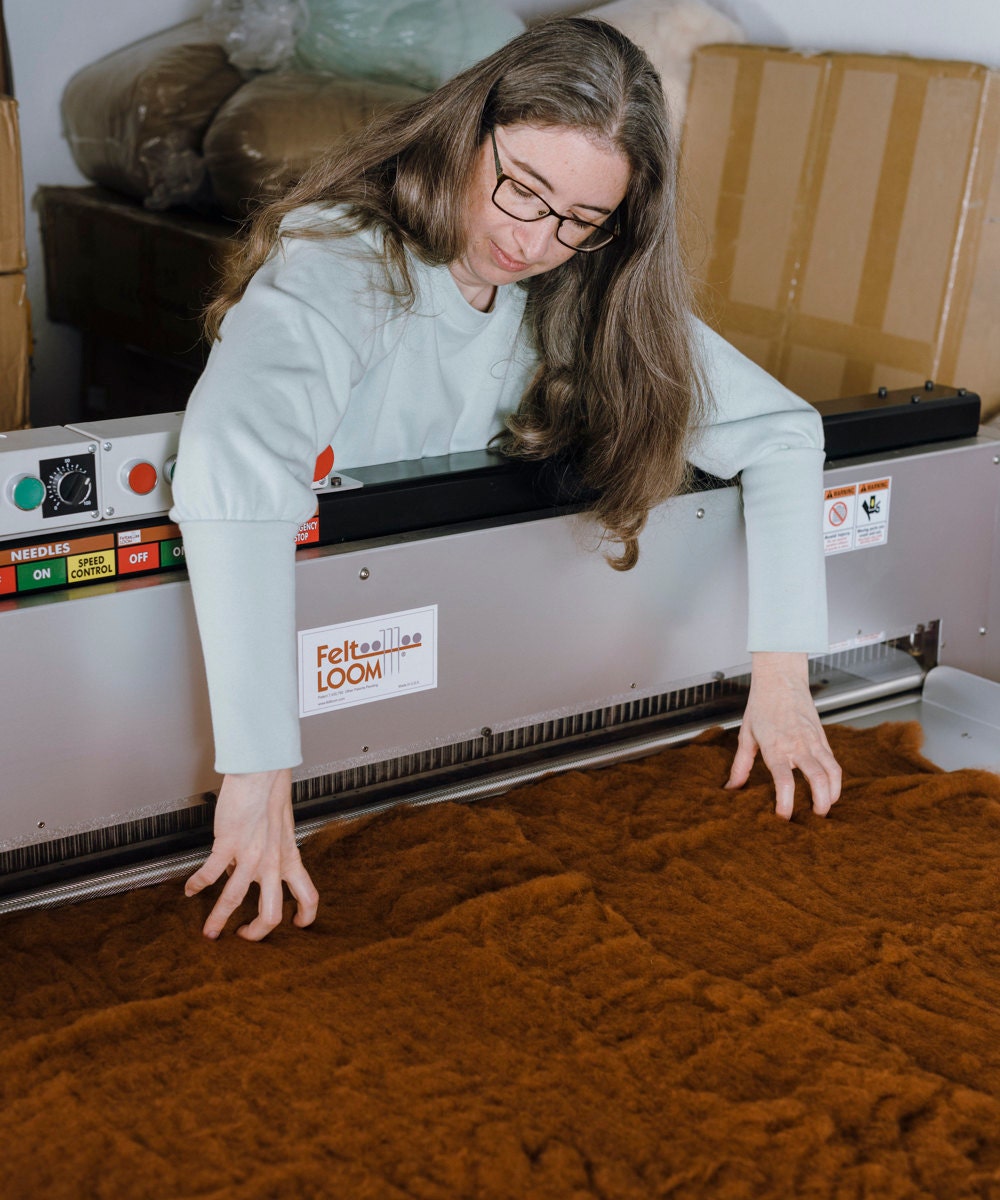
(458, 633)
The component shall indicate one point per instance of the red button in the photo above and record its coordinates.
(324, 465)
(8, 580)
(142, 478)
(143, 557)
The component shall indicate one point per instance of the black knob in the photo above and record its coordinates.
(73, 487)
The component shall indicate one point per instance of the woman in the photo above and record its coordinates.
(500, 256)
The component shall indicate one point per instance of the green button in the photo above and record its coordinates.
(29, 492)
(41, 574)
(172, 553)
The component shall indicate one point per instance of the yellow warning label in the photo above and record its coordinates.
(82, 567)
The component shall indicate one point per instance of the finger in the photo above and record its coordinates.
(268, 911)
(831, 781)
(230, 899)
(207, 873)
(305, 894)
(784, 791)
(819, 784)
(746, 752)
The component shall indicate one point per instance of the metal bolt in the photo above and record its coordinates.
(929, 385)
(364, 749)
(41, 824)
(364, 573)
(91, 449)
(94, 514)
(996, 460)
(335, 481)
(486, 731)
(631, 685)
(914, 399)
(700, 513)
(107, 445)
(109, 511)
(883, 392)
(982, 631)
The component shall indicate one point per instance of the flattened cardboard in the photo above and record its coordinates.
(844, 216)
(15, 345)
(12, 253)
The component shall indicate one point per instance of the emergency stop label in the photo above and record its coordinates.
(856, 516)
(359, 662)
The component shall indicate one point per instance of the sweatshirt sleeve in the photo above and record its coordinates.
(272, 394)
(774, 440)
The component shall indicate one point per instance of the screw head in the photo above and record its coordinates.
(982, 631)
(107, 445)
(486, 731)
(700, 513)
(109, 512)
(364, 573)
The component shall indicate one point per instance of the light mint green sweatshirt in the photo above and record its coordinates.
(316, 353)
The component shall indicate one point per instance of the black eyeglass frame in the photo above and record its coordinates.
(502, 176)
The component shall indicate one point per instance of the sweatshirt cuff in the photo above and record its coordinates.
(783, 507)
(243, 581)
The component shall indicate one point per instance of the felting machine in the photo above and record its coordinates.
(458, 635)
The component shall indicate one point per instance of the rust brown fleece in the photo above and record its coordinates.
(621, 983)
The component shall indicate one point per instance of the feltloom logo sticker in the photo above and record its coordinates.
(358, 662)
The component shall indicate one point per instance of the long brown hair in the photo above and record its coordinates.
(617, 387)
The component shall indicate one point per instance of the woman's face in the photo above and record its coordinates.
(572, 172)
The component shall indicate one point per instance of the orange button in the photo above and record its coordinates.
(324, 465)
(8, 580)
(142, 478)
(138, 558)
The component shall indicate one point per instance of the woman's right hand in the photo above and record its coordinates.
(255, 842)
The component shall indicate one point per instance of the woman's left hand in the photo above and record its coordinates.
(781, 722)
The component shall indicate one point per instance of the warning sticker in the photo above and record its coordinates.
(359, 662)
(856, 516)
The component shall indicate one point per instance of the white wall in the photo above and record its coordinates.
(51, 39)
(961, 29)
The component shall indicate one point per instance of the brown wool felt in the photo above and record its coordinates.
(627, 982)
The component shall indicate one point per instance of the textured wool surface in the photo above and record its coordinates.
(627, 982)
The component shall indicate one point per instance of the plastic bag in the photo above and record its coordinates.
(421, 43)
(258, 35)
(275, 126)
(135, 119)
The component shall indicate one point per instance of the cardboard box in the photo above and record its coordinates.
(15, 345)
(12, 254)
(117, 271)
(844, 216)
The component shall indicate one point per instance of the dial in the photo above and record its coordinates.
(72, 486)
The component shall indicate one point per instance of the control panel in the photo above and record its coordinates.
(87, 503)
(136, 458)
(49, 479)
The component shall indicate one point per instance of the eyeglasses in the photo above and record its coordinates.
(520, 202)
